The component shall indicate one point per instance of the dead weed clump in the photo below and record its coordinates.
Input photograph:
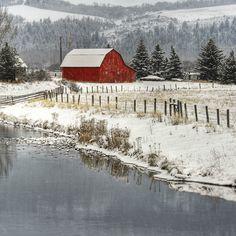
(92, 131)
(86, 131)
(119, 139)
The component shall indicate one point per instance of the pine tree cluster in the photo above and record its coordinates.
(211, 63)
(157, 64)
(213, 66)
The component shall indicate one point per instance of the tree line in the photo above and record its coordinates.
(156, 64)
(187, 38)
(212, 64)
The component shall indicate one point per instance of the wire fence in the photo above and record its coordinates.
(144, 104)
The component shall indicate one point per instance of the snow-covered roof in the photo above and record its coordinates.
(153, 77)
(85, 57)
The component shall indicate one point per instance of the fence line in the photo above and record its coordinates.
(122, 89)
(171, 108)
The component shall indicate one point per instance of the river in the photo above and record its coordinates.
(45, 191)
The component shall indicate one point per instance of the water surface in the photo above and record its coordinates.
(51, 192)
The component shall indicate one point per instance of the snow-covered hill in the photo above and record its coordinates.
(149, 20)
(121, 2)
(35, 14)
(200, 13)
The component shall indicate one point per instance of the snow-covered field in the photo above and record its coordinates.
(193, 152)
(35, 14)
(7, 89)
(119, 2)
(200, 13)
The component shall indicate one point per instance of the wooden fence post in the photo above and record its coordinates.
(155, 105)
(218, 116)
(228, 119)
(196, 115)
(165, 109)
(62, 97)
(181, 109)
(145, 106)
(174, 105)
(185, 111)
(207, 115)
(67, 98)
(116, 103)
(56, 98)
(92, 100)
(100, 101)
(78, 99)
(73, 97)
(134, 105)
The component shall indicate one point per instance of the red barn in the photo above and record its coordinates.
(97, 66)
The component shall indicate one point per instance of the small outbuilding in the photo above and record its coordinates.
(96, 66)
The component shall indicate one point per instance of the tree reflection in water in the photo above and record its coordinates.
(6, 162)
(117, 169)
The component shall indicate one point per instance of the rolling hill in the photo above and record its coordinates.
(31, 14)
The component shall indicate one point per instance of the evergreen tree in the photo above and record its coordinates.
(165, 68)
(8, 63)
(174, 69)
(157, 61)
(210, 61)
(229, 72)
(141, 62)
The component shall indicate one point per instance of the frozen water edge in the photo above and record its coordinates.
(205, 186)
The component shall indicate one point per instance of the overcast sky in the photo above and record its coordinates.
(119, 2)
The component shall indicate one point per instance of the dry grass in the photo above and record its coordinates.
(92, 131)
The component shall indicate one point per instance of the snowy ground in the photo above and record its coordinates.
(204, 13)
(193, 152)
(7, 89)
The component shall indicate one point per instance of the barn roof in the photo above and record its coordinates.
(85, 57)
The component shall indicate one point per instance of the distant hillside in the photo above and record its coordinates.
(31, 14)
(116, 12)
(38, 42)
(186, 28)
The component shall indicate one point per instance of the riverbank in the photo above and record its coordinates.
(181, 153)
